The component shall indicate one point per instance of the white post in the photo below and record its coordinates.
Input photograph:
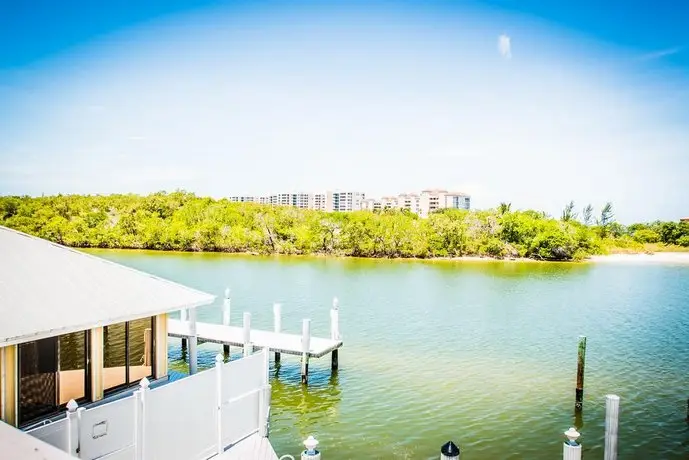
(218, 401)
(335, 320)
(277, 317)
(571, 449)
(140, 419)
(246, 339)
(305, 348)
(449, 451)
(612, 414)
(72, 428)
(193, 357)
(264, 397)
(226, 308)
(183, 315)
(310, 453)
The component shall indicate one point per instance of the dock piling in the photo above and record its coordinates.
(305, 347)
(612, 414)
(226, 309)
(192, 342)
(247, 333)
(184, 318)
(277, 325)
(581, 364)
(310, 453)
(335, 331)
(571, 449)
(449, 451)
(687, 419)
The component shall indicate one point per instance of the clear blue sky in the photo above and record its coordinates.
(533, 102)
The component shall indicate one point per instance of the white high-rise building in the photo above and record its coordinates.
(343, 201)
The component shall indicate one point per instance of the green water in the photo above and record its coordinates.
(483, 354)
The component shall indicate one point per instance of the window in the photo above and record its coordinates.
(127, 353)
(51, 372)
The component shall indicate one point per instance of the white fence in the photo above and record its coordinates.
(193, 418)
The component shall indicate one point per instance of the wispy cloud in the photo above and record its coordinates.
(661, 53)
(505, 46)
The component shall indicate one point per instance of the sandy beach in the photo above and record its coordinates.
(658, 257)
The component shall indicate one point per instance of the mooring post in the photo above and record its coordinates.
(571, 449)
(192, 342)
(183, 317)
(335, 331)
(277, 325)
(687, 419)
(449, 451)
(246, 339)
(612, 414)
(581, 364)
(310, 453)
(305, 348)
(226, 318)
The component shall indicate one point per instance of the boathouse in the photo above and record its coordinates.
(75, 326)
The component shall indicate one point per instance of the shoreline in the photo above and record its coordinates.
(619, 258)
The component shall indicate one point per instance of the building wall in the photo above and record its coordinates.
(8, 384)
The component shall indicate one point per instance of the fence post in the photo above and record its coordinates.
(310, 453)
(246, 340)
(571, 449)
(581, 364)
(140, 419)
(226, 316)
(264, 398)
(193, 356)
(449, 451)
(72, 428)
(218, 401)
(277, 325)
(612, 413)
(305, 347)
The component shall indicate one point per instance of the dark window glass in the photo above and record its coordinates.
(140, 349)
(127, 353)
(114, 355)
(72, 377)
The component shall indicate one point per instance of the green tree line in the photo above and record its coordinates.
(181, 221)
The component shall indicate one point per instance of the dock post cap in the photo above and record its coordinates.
(72, 405)
(572, 435)
(310, 443)
(227, 293)
(450, 449)
(612, 397)
(218, 358)
(336, 303)
(144, 383)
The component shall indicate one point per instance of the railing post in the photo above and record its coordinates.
(310, 453)
(193, 357)
(612, 413)
(140, 419)
(246, 340)
(305, 348)
(335, 332)
(72, 428)
(449, 451)
(571, 450)
(218, 401)
(277, 325)
(264, 398)
(226, 317)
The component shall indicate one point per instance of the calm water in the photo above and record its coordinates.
(480, 353)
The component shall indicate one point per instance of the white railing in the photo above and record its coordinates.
(193, 418)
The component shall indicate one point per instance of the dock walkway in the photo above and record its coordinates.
(255, 447)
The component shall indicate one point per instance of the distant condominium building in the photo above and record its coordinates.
(343, 201)
(422, 204)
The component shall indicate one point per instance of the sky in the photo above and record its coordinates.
(531, 102)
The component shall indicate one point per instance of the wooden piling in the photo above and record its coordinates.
(687, 419)
(335, 360)
(335, 331)
(612, 414)
(277, 325)
(581, 364)
(305, 347)
(226, 310)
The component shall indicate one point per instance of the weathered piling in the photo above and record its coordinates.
(687, 419)
(184, 318)
(246, 339)
(226, 310)
(335, 331)
(193, 357)
(571, 450)
(310, 453)
(277, 325)
(449, 451)
(612, 414)
(305, 347)
(581, 364)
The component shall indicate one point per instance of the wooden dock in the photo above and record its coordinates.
(277, 341)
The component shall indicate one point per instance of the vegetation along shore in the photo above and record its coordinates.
(181, 221)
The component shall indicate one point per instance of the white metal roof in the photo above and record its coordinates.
(47, 289)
